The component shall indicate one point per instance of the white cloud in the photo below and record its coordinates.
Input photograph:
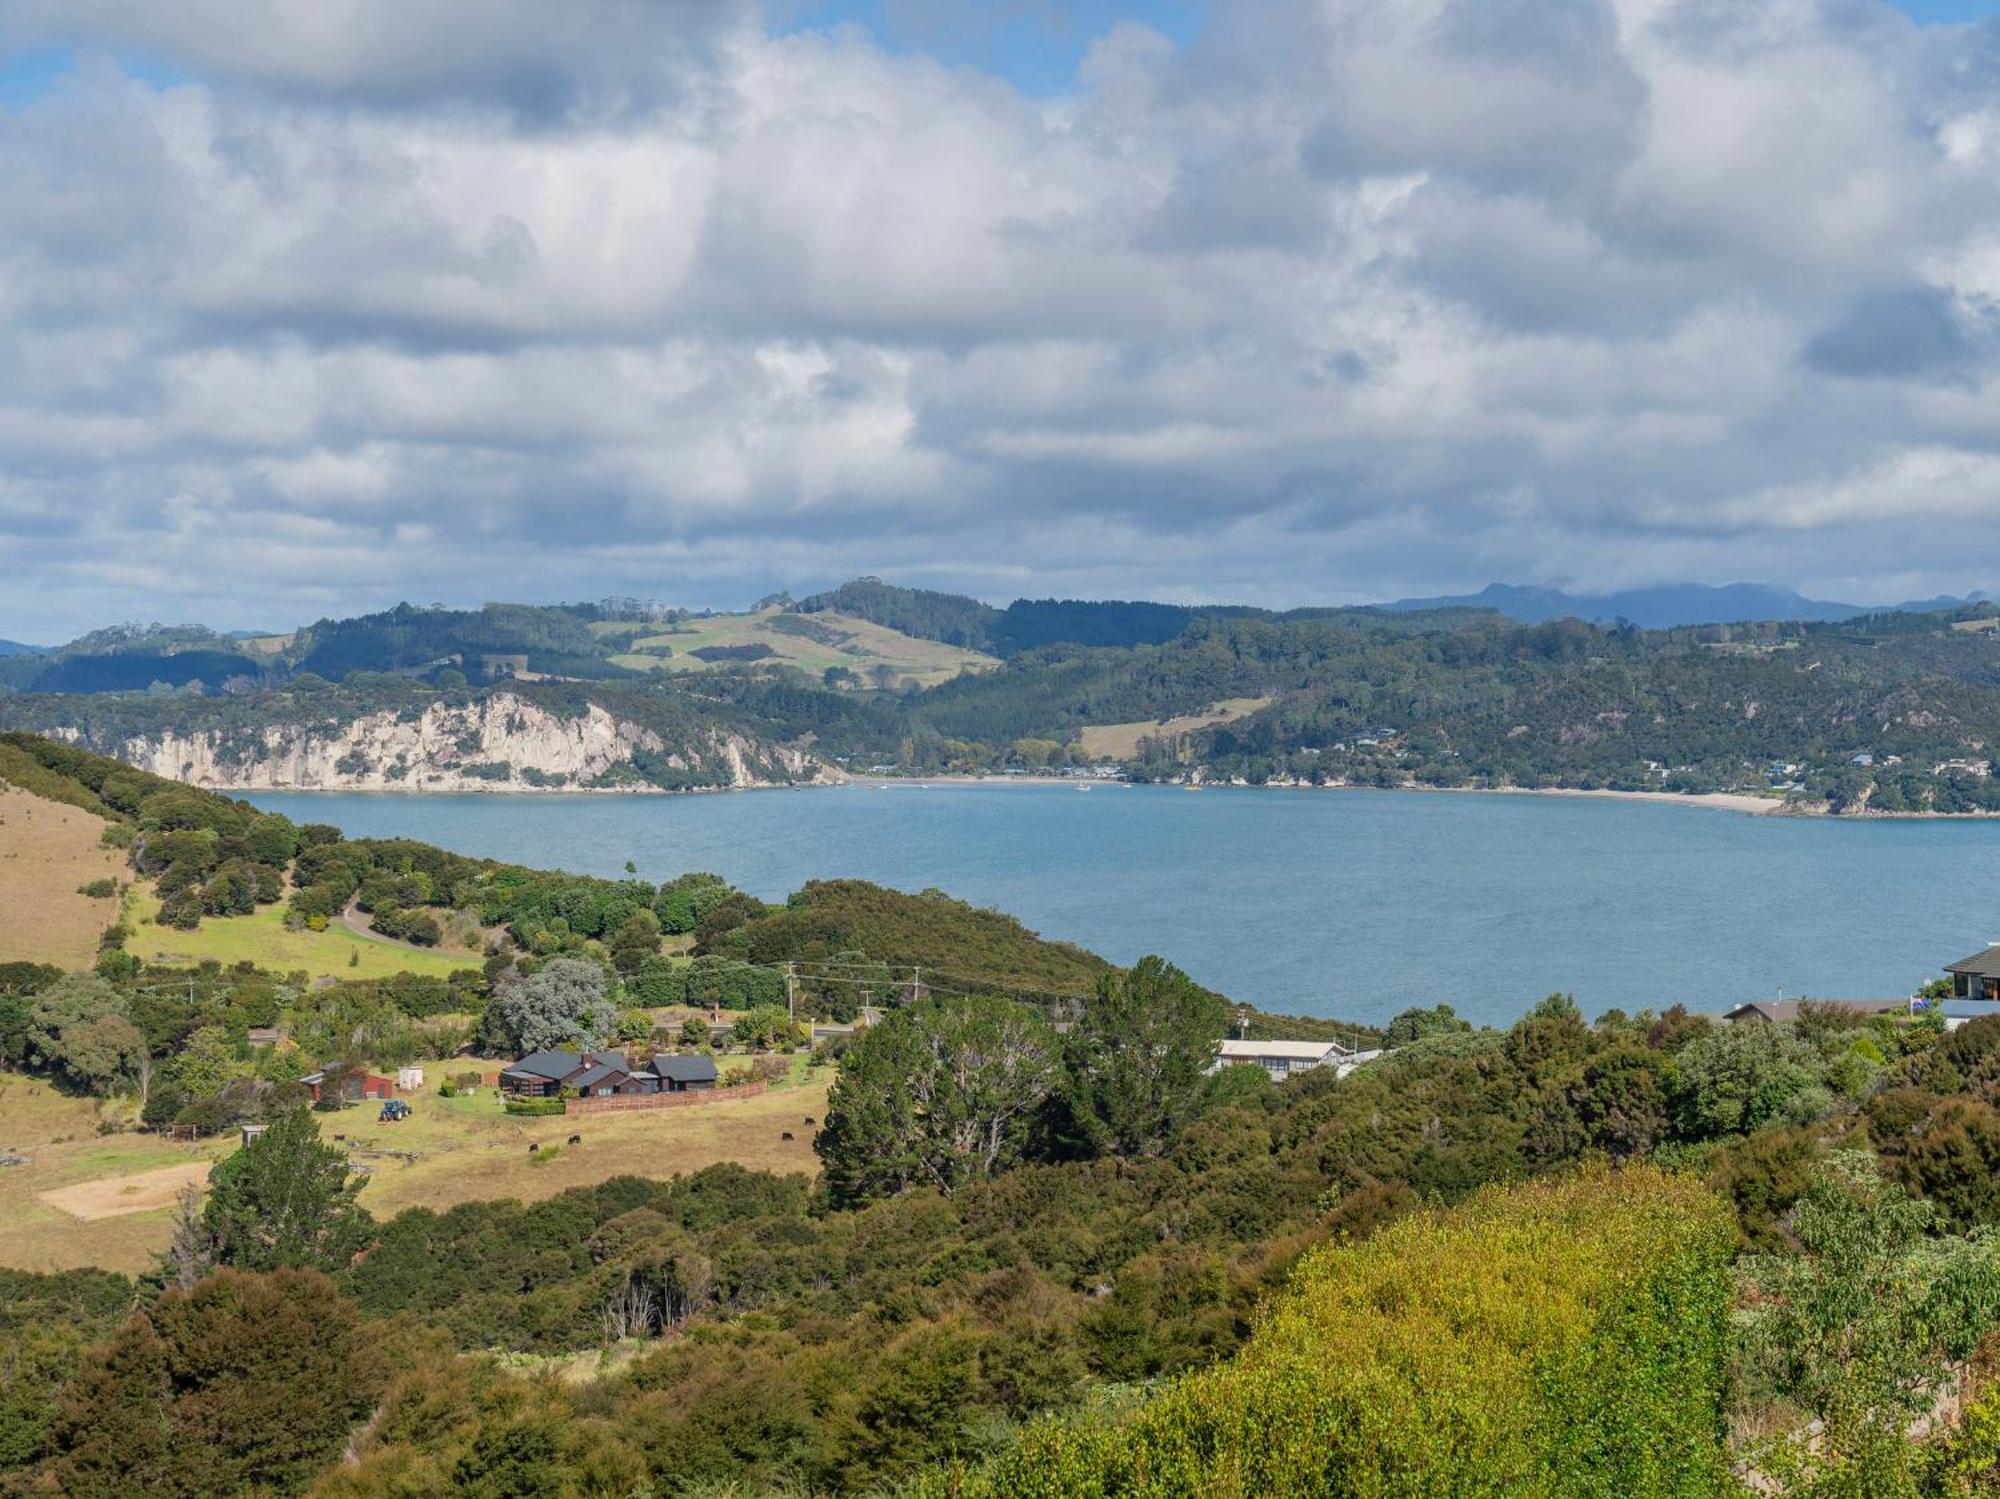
(464, 300)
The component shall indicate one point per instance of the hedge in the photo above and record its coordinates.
(1560, 1338)
(535, 1107)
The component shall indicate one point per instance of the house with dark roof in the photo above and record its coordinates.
(1976, 977)
(683, 1074)
(1770, 1011)
(592, 1074)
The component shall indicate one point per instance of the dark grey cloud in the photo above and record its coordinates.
(451, 300)
(1893, 332)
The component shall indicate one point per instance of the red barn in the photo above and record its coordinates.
(353, 1083)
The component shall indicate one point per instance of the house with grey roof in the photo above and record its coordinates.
(1770, 1011)
(592, 1074)
(683, 1074)
(1976, 977)
(605, 1074)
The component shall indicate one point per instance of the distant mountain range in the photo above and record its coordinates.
(1670, 604)
(16, 648)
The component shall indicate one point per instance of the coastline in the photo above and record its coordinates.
(1742, 802)
(1720, 801)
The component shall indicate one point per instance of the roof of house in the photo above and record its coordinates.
(553, 1065)
(1984, 964)
(1788, 1009)
(685, 1069)
(603, 1070)
(1255, 1051)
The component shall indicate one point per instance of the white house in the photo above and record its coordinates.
(1282, 1058)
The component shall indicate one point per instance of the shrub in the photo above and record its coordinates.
(534, 1108)
(102, 889)
(1557, 1338)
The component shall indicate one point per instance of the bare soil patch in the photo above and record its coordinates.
(115, 1196)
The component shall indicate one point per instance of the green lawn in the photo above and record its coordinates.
(262, 939)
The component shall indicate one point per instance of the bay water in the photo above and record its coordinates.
(1345, 903)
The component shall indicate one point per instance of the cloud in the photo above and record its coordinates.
(461, 300)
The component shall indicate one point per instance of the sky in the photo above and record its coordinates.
(311, 306)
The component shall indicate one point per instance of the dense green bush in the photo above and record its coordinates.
(534, 1108)
(1560, 1338)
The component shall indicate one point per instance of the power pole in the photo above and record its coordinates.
(917, 985)
(791, 991)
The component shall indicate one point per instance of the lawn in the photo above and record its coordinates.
(462, 1149)
(47, 850)
(842, 640)
(264, 940)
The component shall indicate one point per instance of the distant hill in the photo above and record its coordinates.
(16, 648)
(1669, 605)
(1024, 625)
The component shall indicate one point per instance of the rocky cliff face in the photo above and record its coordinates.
(500, 743)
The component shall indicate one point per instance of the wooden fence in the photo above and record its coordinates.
(619, 1102)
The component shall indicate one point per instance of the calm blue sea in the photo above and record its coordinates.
(1346, 903)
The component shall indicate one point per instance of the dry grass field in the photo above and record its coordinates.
(832, 640)
(467, 1148)
(71, 1162)
(46, 851)
(1120, 741)
(86, 1199)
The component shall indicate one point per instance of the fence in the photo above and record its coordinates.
(618, 1102)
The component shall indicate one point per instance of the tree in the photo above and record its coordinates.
(285, 1201)
(1415, 1023)
(243, 1384)
(565, 1006)
(1139, 1058)
(1741, 1077)
(765, 1028)
(939, 1094)
(207, 1060)
(1863, 1329)
(79, 1029)
(683, 902)
(636, 940)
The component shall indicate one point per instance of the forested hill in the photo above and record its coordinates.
(1025, 624)
(1882, 713)
(1895, 712)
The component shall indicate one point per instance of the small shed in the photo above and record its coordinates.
(409, 1079)
(252, 1131)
